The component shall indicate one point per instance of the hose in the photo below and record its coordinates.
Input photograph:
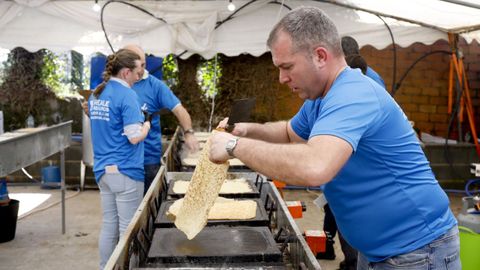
(469, 183)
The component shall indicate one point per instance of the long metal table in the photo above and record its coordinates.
(24, 147)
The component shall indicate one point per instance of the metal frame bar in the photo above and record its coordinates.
(458, 30)
(462, 3)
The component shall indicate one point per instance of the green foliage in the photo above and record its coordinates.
(49, 72)
(3, 59)
(77, 70)
(170, 71)
(24, 91)
(63, 73)
(208, 77)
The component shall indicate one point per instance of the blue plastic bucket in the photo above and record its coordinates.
(51, 177)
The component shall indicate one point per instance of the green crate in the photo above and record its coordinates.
(469, 247)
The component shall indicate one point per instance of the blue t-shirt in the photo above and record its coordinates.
(386, 200)
(374, 76)
(154, 95)
(116, 107)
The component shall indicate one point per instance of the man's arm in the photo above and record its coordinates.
(274, 132)
(137, 132)
(308, 164)
(185, 121)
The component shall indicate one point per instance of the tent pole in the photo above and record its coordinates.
(462, 3)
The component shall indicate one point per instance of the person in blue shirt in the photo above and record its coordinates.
(351, 136)
(329, 223)
(350, 47)
(118, 129)
(153, 96)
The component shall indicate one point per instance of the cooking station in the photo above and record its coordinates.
(271, 240)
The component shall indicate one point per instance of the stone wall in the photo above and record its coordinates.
(422, 95)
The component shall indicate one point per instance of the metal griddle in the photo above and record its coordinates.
(261, 218)
(214, 245)
(252, 194)
(230, 266)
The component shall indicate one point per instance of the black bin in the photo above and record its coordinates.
(8, 217)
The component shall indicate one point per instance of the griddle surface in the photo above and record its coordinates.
(230, 266)
(252, 194)
(214, 245)
(261, 218)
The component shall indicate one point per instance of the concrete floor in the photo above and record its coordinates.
(40, 244)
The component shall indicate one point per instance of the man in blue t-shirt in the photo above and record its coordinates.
(153, 96)
(352, 137)
(350, 47)
(353, 58)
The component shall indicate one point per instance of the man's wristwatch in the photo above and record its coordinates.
(190, 130)
(230, 146)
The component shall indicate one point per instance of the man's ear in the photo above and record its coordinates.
(320, 55)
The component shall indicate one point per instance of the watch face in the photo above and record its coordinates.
(231, 145)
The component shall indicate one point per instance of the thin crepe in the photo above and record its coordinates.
(207, 179)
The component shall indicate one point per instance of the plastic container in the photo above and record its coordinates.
(8, 217)
(469, 227)
(469, 247)
(51, 177)
(469, 217)
(30, 121)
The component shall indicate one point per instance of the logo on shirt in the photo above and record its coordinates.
(144, 107)
(99, 110)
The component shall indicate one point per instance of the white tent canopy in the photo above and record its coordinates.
(190, 25)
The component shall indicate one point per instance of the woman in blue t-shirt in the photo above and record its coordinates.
(117, 135)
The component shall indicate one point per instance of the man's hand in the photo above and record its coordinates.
(148, 116)
(191, 142)
(85, 108)
(218, 153)
(240, 129)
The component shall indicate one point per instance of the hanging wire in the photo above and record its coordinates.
(394, 46)
(280, 10)
(210, 121)
(128, 4)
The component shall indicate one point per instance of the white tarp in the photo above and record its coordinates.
(190, 25)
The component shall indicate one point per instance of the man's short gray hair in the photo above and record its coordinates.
(308, 27)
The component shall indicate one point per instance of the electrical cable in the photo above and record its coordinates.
(469, 183)
(394, 76)
(280, 9)
(446, 152)
(210, 120)
(218, 24)
(399, 83)
(128, 4)
(446, 149)
(29, 176)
